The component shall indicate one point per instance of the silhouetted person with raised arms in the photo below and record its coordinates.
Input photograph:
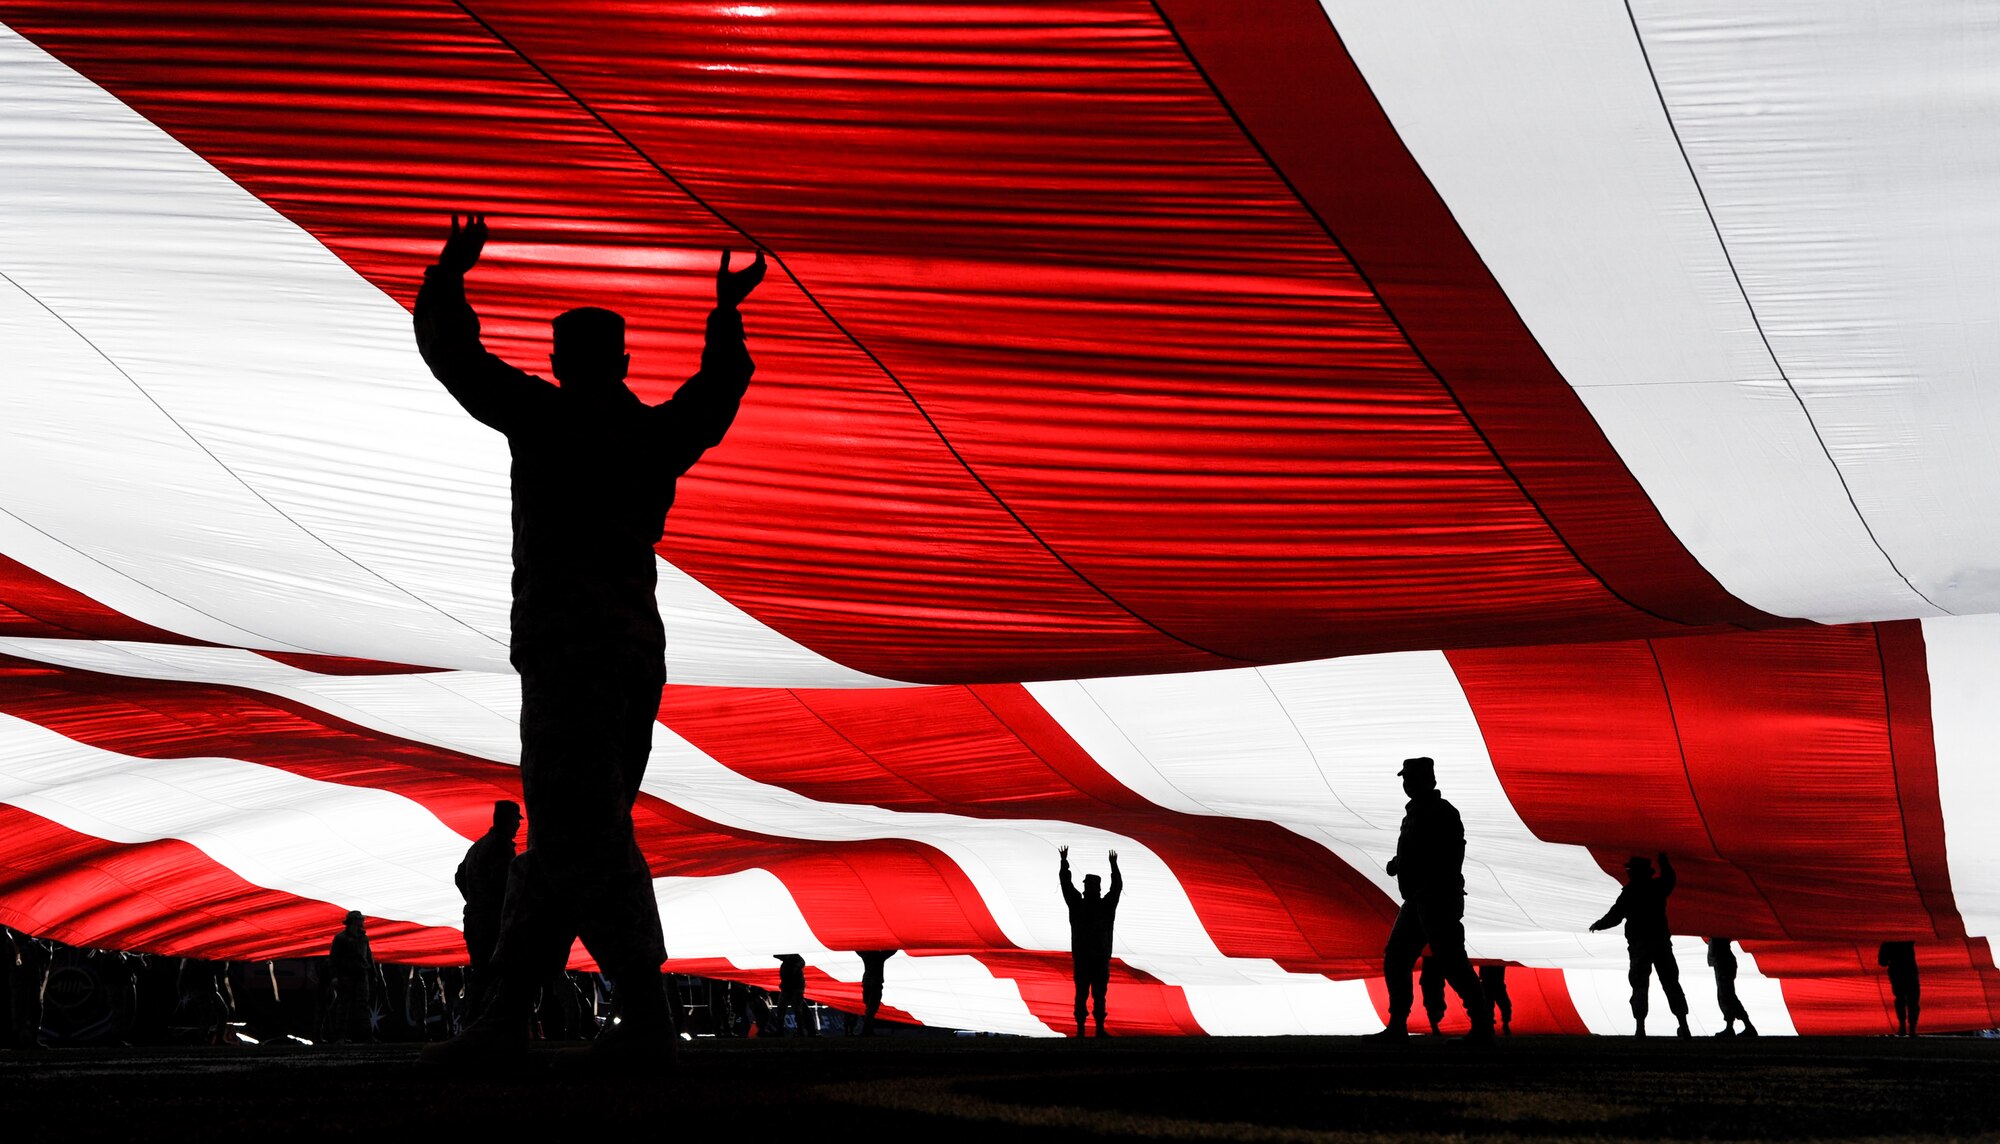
(1649, 944)
(1092, 915)
(1429, 868)
(482, 882)
(1493, 982)
(1900, 959)
(874, 963)
(792, 994)
(351, 962)
(1722, 959)
(594, 470)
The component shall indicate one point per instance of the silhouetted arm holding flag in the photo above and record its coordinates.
(699, 413)
(1068, 887)
(1668, 879)
(495, 393)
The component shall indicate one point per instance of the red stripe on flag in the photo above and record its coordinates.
(169, 897)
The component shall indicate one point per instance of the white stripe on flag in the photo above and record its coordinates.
(356, 848)
(1539, 125)
(1963, 654)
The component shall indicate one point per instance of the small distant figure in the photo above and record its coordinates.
(1430, 986)
(351, 962)
(873, 964)
(1642, 906)
(482, 882)
(1429, 868)
(792, 994)
(1900, 959)
(1493, 980)
(1722, 959)
(1091, 917)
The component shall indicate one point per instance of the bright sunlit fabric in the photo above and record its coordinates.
(1167, 418)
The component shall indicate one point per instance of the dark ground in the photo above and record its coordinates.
(957, 1091)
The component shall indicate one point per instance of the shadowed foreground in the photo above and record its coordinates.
(1281, 1090)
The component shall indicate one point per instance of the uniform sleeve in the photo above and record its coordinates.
(495, 393)
(1068, 887)
(698, 415)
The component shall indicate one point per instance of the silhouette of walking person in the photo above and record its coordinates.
(873, 965)
(792, 995)
(351, 962)
(1722, 959)
(1429, 868)
(1642, 906)
(1091, 917)
(1493, 981)
(594, 471)
(482, 882)
(1900, 959)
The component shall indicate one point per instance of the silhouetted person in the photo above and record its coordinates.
(351, 962)
(594, 471)
(1900, 959)
(1722, 959)
(1642, 906)
(1092, 916)
(792, 994)
(482, 882)
(1430, 986)
(1493, 982)
(873, 964)
(1429, 871)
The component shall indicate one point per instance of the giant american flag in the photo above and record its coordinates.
(1168, 417)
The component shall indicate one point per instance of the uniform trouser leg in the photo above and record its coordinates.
(1441, 924)
(1399, 957)
(1493, 979)
(1100, 984)
(1640, 973)
(1430, 984)
(1725, 996)
(1670, 979)
(1444, 925)
(586, 730)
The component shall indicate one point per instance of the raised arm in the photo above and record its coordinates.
(1062, 874)
(1668, 879)
(700, 412)
(1117, 880)
(492, 391)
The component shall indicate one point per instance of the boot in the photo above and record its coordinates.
(1397, 1029)
(1683, 1031)
(641, 1034)
(498, 1039)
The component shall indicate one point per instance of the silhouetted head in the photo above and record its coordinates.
(1419, 775)
(355, 920)
(1092, 885)
(507, 815)
(590, 349)
(1638, 868)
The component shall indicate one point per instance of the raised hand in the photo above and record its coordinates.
(461, 250)
(732, 288)
(1063, 852)
(1114, 857)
